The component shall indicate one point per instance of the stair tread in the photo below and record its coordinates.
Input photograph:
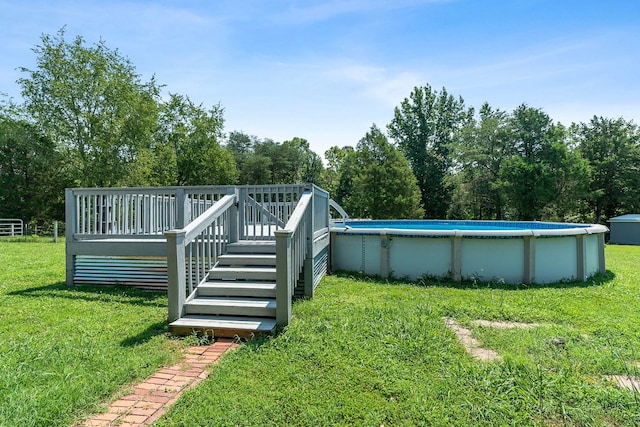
(238, 285)
(252, 246)
(233, 302)
(242, 268)
(248, 256)
(253, 243)
(266, 260)
(226, 322)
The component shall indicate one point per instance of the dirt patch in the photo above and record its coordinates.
(472, 345)
(505, 325)
(626, 382)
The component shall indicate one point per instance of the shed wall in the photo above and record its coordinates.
(625, 233)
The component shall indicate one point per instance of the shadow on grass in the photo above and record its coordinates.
(153, 330)
(596, 280)
(105, 293)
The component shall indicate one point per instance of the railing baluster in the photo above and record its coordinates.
(202, 264)
(190, 268)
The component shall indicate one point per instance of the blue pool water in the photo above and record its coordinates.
(456, 225)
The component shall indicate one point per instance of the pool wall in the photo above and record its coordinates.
(515, 256)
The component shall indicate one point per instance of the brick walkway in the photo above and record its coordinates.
(153, 397)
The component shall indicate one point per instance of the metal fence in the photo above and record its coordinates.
(11, 227)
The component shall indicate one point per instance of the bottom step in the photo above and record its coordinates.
(223, 326)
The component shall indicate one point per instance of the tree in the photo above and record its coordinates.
(330, 176)
(32, 175)
(289, 162)
(187, 147)
(383, 185)
(423, 127)
(540, 169)
(480, 152)
(91, 103)
(612, 148)
(242, 146)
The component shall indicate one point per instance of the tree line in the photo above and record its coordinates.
(88, 120)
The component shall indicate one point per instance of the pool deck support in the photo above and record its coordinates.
(456, 257)
(529, 275)
(385, 245)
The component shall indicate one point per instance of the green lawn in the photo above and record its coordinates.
(362, 352)
(65, 351)
(371, 353)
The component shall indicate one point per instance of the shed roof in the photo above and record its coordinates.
(626, 218)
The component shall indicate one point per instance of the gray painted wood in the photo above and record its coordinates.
(113, 223)
(243, 273)
(226, 306)
(247, 260)
(237, 289)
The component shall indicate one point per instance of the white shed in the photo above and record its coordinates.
(625, 229)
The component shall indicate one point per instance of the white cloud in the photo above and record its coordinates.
(314, 11)
(387, 86)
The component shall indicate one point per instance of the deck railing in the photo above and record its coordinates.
(266, 208)
(192, 251)
(304, 237)
(190, 227)
(145, 211)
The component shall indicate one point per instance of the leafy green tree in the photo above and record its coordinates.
(347, 169)
(32, 173)
(612, 148)
(290, 162)
(330, 176)
(383, 185)
(480, 152)
(242, 146)
(187, 148)
(540, 169)
(258, 170)
(571, 175)
(281, 163)
(93, 105)
(423, 127)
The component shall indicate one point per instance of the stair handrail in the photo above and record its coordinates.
(333, 204)
(209, 232)
(199, 224)
(258, 206)
(292, 246)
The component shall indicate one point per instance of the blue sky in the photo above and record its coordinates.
(327, 70)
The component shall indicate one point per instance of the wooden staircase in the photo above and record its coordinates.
(239, 299)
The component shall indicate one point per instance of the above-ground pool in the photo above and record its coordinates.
(506, 251)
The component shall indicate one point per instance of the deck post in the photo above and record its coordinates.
(283, 278)
(308, 261)
(70, 214)
(176, 282)
(233, 217)
(241, 211)
(181, 209)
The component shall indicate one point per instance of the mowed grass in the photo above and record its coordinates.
(373, 352)
(66, 351)
(362, 352)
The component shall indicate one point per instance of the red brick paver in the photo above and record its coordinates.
(151, 398)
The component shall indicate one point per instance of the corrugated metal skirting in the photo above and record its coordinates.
(320, 266)
(144, 273)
